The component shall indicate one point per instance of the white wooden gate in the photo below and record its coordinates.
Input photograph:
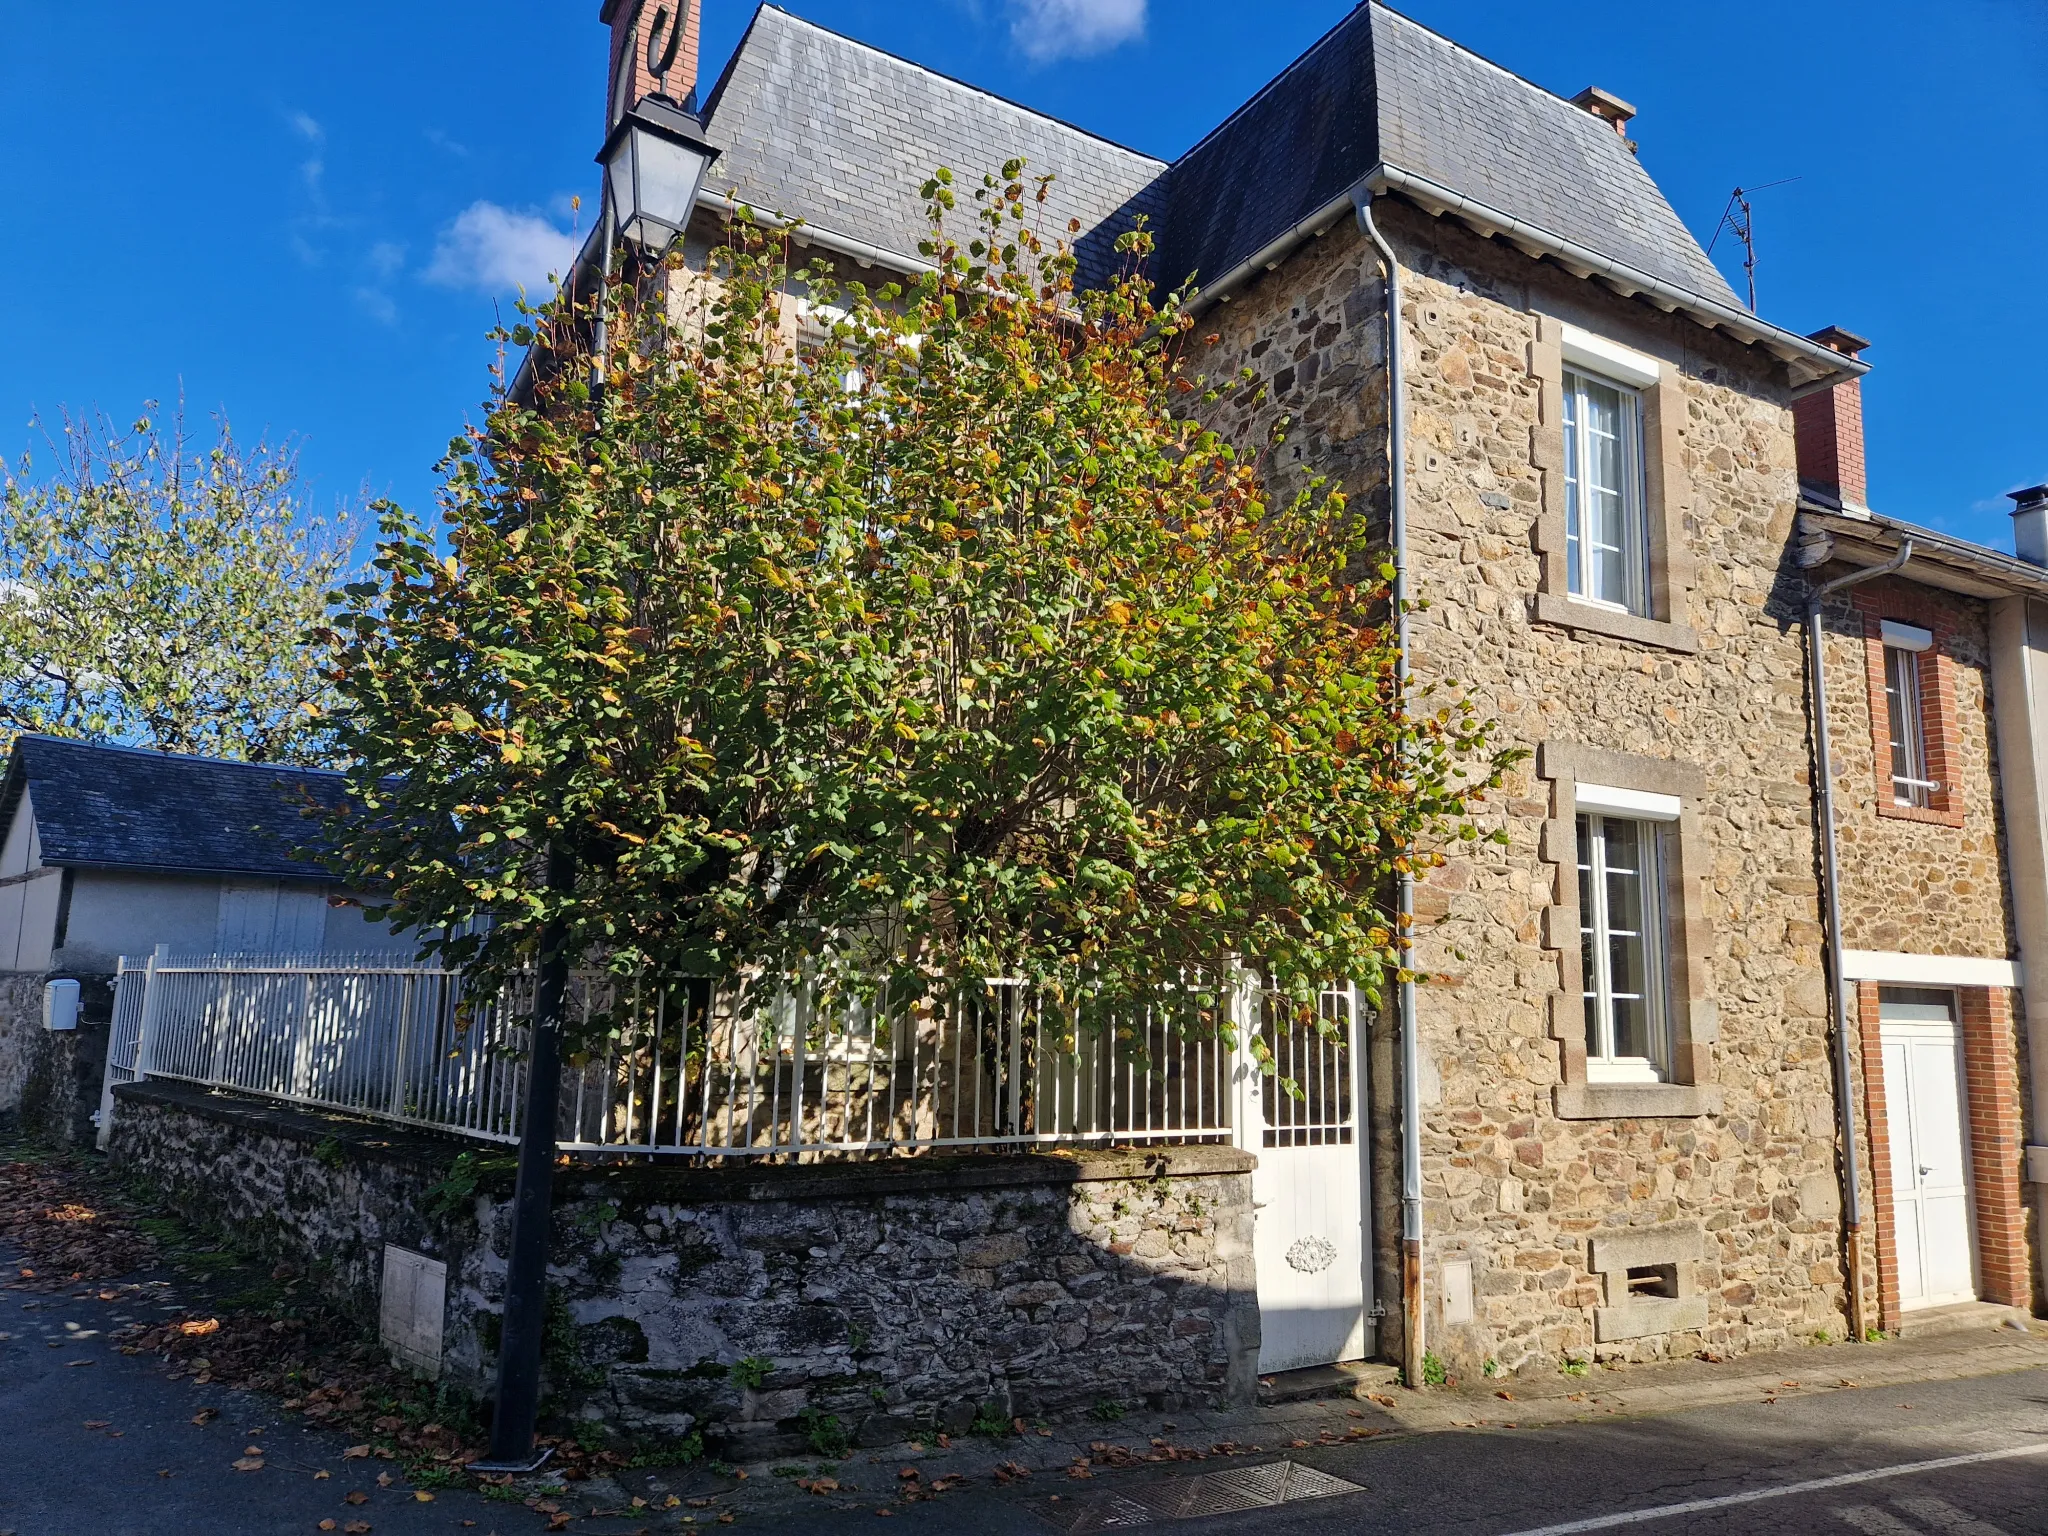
(1310, 1188)
(1930, 1171)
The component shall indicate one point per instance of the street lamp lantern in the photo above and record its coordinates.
(654, 162)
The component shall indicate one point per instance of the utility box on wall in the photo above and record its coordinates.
(414, 1300)
(60, 1005)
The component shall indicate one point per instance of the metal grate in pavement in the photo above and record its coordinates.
(1209, 1493)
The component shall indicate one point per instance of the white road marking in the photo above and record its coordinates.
(1788, 1490)
(1944, 1516)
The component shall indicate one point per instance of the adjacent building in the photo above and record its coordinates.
(111, 851)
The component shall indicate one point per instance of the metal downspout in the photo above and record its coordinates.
(1411, 1050)
(1852, 1184)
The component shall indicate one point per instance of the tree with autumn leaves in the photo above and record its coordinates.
(925, 624)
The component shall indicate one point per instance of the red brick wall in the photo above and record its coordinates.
(1997, 1144)
(1828, 429)
(1877, 1134)
(632, 23)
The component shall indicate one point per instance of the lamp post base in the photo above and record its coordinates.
(538, 1460)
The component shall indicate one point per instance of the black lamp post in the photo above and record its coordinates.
(654, 163)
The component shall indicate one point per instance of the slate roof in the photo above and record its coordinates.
(120, 808)
(818, 126)
(1380, 88)
(814, 125)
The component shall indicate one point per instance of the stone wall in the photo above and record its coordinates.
(50, 1082)
(892, 1296)
(1742, 1194)
(1923, 882)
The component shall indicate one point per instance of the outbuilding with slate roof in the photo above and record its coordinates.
(112, 851)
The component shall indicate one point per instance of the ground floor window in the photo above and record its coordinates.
(1623, 948)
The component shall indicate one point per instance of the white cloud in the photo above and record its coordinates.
(496, 249)
(1058, 29)
(309, 127)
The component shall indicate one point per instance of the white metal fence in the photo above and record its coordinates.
(699, 1069)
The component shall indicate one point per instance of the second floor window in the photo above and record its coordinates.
(1911, 784)
(1606, 531)
(1622, 948)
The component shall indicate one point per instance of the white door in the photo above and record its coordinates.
(1309, 1192)
(1923, 1098)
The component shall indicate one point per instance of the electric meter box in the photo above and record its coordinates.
(60, 1005)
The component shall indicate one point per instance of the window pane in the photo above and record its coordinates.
(1589, 952)
(1622, 938)
(1604, 535)
(1902, 705)
(1573, 544)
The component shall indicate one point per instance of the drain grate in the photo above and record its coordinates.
(1211, 1493)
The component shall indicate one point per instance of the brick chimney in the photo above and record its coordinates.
(1606, 106)
(1828, 427)
(648, 35)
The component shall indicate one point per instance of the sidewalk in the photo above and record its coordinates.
(1076, 1453)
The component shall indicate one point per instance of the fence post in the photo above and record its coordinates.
(152, 1005)
(1247, 1109)
(302, 1044)
(405, 1007)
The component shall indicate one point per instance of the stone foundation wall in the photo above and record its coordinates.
(895, 1297)
(50, 1083)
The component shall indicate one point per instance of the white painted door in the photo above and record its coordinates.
(1930, 1172)
(1309, 1190)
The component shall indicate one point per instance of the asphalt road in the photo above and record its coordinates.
(1743, 1468)
(107, 1447)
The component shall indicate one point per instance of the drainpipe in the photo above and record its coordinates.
(1411, 1049)
(1852, 1184)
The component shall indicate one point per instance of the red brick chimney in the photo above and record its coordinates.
(1828, 427)
(648, 38)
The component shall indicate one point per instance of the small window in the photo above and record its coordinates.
(1621, 933)
(1606, 530)
(1910, 783)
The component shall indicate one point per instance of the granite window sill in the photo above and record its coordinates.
(1587, 618)
(1635, 1101)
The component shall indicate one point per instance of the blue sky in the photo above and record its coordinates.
(307, 216)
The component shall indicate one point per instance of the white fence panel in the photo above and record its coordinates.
(693, 1068)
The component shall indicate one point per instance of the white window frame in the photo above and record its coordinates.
(1634, 487)
(1906, 727)
(1597, 806)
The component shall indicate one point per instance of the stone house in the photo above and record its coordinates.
(111, 851)
(1618, 1136)
(1604, 1123)
(1934, 721)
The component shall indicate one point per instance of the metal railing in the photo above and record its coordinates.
(693, 1067)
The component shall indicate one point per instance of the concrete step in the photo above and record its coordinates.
(1961, 1317)
(1351, 1378)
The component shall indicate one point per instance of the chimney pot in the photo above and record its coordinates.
(1606, 106)
(2030, 524)
(1828, 433)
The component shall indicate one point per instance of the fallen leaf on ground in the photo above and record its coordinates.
(248, 1464)
(355, 1496)
(423, 1496)
(200, 1329)
(327, 1525)
(97, 1423)
(205, 1416)
(356, 1528)
(355, 1453)
(383, 1479)
(322, 1475)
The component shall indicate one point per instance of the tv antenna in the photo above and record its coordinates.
(1739, 217)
